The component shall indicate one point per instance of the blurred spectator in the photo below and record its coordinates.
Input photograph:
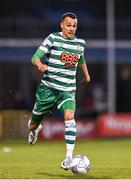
(20, 101)
(89, 102)
(123, 91)
(87, 110)
(100, 100)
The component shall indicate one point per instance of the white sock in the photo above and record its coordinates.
(70, 137)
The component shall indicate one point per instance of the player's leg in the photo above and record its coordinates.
(42, 108)
(34, 127)
(70, 137)
(67, 106)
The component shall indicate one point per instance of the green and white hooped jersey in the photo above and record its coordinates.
(63, 56)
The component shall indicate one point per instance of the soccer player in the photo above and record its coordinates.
(62, 53)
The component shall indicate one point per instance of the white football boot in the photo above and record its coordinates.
(66, 163)
(32, 138)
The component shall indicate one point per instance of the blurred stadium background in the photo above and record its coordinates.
(104, 105)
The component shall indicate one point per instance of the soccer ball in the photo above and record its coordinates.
(80, 164)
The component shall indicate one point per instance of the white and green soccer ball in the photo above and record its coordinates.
(80, 164)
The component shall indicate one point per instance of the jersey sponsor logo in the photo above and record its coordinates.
(69, 59)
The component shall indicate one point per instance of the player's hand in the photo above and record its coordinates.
(42, 67)
(85, 80)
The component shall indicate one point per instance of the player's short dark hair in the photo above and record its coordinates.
(69, 14)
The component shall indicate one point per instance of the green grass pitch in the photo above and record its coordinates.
(110, 159)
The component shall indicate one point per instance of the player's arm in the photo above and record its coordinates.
(36, 60)
(84, 69)
(41, 53)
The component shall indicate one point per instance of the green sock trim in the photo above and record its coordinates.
(71, 133)
(36, 119)
(70, 141)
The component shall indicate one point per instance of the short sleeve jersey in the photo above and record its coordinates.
(63, 57)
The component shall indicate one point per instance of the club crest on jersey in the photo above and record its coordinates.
(69, 59)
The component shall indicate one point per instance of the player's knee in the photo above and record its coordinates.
(68, 114)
